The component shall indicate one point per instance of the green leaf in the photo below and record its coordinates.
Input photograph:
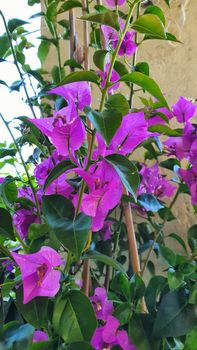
(142, 67)
(15, 23)
(127, 171)
(193, 295)
(32, 2)
(16, 85)
(166, 214)
(170, 163)
(108, 18)
(99, 59)
(43, 50)
(74, 318)
(192, 238)
(68, 5)
(80, 76)
(149, 202)
(43, 345)
(168, 255)
(118, 102)
(155, 10)
(16, 336)
(150, 24)
(137, 287)
(8, 190)
(179, 240)
(106, 122)
(72, 63)
(4, 45)
(58, 170)
(6, 228)
(82, 345)
(4, 152)
(137, 333)
(175, 279)
(154, 288)
(191, 340)
(147, 84)
(59, 213)
(51, 12)
(123, 313)
(167, 2)
(34, 312)
(104, 259)
(164, 130)
(175, 317)
(120, 285)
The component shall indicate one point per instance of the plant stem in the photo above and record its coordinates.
(158, 232)
(58, 53)
(114, 56)
(24, 165)
(134, 59)
(68, 262)
(16, 63)
(72, 32)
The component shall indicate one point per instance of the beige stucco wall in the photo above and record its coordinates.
(174, 67)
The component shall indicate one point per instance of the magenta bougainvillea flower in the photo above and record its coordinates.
(103, 307)
(113, 3)
(181, 146)
(128, 46)
(154, 183)
(189, 176)
(184, 110)
(132, 131)
(39, 336)
(58, 186)
(109, 335)
(38, 274)
(65, 130)
(22, 219)
(114, 78)
(75, 93)
(105, 191)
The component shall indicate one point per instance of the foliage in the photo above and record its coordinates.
(73, 273)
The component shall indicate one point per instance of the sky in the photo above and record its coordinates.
(11, 104)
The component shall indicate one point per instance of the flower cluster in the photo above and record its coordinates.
(108, 334)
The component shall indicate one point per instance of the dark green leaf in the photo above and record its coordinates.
(106, 122)
(35, 312)
(142, 67)
(4, 45)
(170, 163)
(2, 82)
(58, 170)
(137, 333)
(44, 345)
(82, 345)
(59, 213)
(137, 287)
(126, 170)
(6, 228)
(123, 313)
(175, 279)
(15, 23)
(191, 340)
(168, 255)
(4, 152)
(8, 191)
(51, 12)
(179, 240)
(99, 59)
(120, 68)
(32, 2)
(108, 18)
(150, 24)
(192, 238)
(155, 10)
(68, 5)
(147, 84)
(166, 214)
(81, 76)
(72, 63)
(149, 202)
(43, 50)
(76, 312)
(120, 284)
(154, 288)
(174, 317)
(164, 130)
(119, 102)
(104, 259)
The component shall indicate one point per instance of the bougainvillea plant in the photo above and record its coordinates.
(82, 219)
